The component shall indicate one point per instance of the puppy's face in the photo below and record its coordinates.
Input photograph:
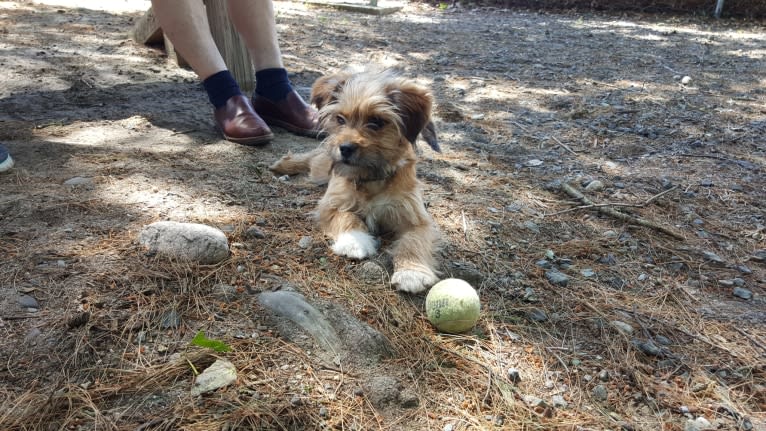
(372, 120)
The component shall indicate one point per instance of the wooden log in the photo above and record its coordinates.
(147, 30)
(231, 46)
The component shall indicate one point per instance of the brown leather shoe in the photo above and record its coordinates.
(292, 114)
(239, 123)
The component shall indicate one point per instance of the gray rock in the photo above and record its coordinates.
(532, 226)
(305, 242)
(648, 347)
(27, 301)
(709, 255)
(537, 315)
(665, 341)
(600, 393)
(337, 333)
(324, 412)
(744, 269)
(170, 320)
(743, 293)
(587, 272)
(79, 182)
(448, 427)
(253, 232)
(622, 327)
(594, 186)
(186, 241)
(533, 401)
(603, 375)
(699, 424)
(370, 272)
(382, 391)
(556, 277)
(225, 292)
(513, 375)
(221, 373)
(544, 263)
(559, 402)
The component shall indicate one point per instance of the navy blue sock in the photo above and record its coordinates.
(272, 84)
(221, 87)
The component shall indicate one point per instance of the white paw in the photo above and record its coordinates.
(355, 244)
(413, 281)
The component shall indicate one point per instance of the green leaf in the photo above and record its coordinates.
(201, 340)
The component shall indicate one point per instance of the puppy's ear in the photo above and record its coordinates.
(414, 105)
(325, 88)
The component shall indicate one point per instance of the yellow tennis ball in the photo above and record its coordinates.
(453, 306)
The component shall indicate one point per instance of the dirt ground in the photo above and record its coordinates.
(654, 328)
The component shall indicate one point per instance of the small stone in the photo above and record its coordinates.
(744, 269)
(619, 185)
(358, 392)
(648, 347)
(537, 315)
(743, 293)
(709, 255)
(370, 271)
(305, 242)
(686, 80)
(225, 292)
(759, 256)
(698, 424)
(665, 341)
(296, 400)
(170, 320)
(324, 412)
(575, 362)
(642, 277)
(448, 427)
(254, 232)
(533, 401)
(498, 420)
(738, 281)
(558, 401)
(513, 375)
(594, 186)
(609, 259)
(534, 162)
(600, 393)
(408, 399)
(532, 226)
(603, 375)
(27, 301)
(190, 241)
(544, 263)
(587, 272)
(221, 373)
(557, 278)
(622, 327)
(79, 182)
(726, 282)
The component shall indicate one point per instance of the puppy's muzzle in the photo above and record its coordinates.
(347, 151)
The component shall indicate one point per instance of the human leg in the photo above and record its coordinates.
(185, 23)
(275, 100)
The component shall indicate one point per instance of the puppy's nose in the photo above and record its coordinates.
(347, 150)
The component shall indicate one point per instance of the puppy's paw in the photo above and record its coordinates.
(412, 281)
(355, 244)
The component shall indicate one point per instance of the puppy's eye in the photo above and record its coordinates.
(341, 121)
(375, 124)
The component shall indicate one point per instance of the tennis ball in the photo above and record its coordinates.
(452, 306)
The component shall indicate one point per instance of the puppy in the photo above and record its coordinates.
(372, 120)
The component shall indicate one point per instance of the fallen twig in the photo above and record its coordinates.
(618, 215)
(553, 138)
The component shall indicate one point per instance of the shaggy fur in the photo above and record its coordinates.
(372, 120)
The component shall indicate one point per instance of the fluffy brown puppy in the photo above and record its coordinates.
(372, 120)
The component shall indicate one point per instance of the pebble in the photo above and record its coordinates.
(594, 186)
(603, 375)
(370, 271)
(448, 427)
(534, 162)
(532, 226)
(408, 399)
(698, 424)
(221, 373)
(513, 375)
(759, 255)
(556, 277)
(254, 232)
(170, 320)
(559, 402)
(544, 263)
(600, 393)
(647, 347)
(609, 259)
(225, 292)
(533, 401)
(587, 272)
(79, 181)
(305, 242)
(743, 293)
(622, 327)
(619, 185)
(27, 301)
(324, 412)
(530, 295)
(709, 255)
(707, 182)
(190, 241)
(744, 269)
(686, 80)
(642, 277)
(537, 315)
(665, 341)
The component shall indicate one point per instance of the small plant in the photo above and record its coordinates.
(443, 6)
(202, 341)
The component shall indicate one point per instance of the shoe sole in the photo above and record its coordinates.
(6, 164)
(257, 141)
(273, 122)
